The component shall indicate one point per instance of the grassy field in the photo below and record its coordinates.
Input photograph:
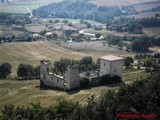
(25, 92)
(23, 4)
(107, 32)
(118, 2)
(12, 9)
(34, 2)
(98, 2)
(145, 7)
(35, 28)
(73, 20)
(33, 52)
(155, 31)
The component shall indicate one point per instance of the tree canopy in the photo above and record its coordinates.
(5, 70)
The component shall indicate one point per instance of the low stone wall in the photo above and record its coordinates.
(95, 80)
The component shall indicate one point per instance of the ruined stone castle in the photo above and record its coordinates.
(71, 80)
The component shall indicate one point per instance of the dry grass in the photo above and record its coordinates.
(155, 31)
(118, 2)
(33, 52)
(146, 6)
(95, 48)
(25, 92)
(4, 8)
(35, 28)
(34, 2)
(142, 15)
(130, 77)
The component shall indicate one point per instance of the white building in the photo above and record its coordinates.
(111, 65)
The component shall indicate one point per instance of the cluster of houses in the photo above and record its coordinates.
(64, 31)
(58, 30)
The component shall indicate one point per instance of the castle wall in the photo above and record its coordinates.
(95, 80)
(72, 78)
(49, 79)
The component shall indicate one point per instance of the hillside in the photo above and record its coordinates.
(78, 10)
(91, 11)
(26, 92)
(119, 2)
(33, 52)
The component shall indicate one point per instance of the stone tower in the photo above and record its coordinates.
(72, 78)
(111, 65)
(45, 66)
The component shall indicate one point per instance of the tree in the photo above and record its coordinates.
(50, 21)
(70, 24)
(5, 70)
(88, 25)
(142, 44)
(65, 21)
(120, 44)
(43, 32)
(98, 35)
(36, 72)
(128, 61)
(25, 71)
(86, 60)
(65, 108)
(56, 21)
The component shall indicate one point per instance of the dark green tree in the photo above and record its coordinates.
(5, 70)
(25, 71)
(98, 35)
(128, 61)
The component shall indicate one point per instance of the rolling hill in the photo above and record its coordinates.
(32, 52)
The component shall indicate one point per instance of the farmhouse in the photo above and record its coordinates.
(76, 37)
(98, 27)
(36, 36)
(108, 65)
(79, 26)
(8, 36)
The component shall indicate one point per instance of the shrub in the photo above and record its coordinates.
(85, 82)
(5, 70)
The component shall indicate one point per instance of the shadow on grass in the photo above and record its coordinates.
(77, 90)
(116, 84)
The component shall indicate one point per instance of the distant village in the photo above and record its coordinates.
(42, 29)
